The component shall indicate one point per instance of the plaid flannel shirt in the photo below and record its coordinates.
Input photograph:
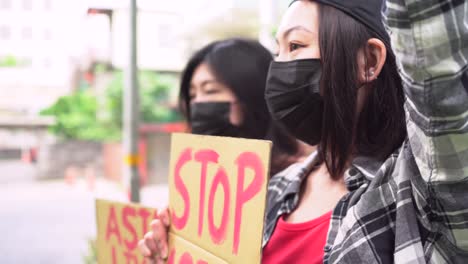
(413, 207)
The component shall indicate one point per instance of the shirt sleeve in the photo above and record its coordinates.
(430, 39)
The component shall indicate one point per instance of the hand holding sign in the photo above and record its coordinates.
(154, 246)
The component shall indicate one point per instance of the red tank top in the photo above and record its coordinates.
(297, 243)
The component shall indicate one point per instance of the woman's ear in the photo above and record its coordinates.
(371, 60)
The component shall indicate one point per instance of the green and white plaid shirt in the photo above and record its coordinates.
(412, 208)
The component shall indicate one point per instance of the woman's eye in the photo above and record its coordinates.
(212, 91)
(294, 46)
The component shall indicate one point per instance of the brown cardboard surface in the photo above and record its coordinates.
(119, 227)
(190, 253)
(217, 193)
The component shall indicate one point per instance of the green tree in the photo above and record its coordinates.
(75, 118)
(80, 116)
(91, 255)
(154, 98)
(9, 61)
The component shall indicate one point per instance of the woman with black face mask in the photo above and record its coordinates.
(222, 94)
(389, 182)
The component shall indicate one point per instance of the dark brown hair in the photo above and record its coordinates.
(380, 127)
(242, 65)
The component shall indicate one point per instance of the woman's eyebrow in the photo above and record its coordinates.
(287, 32)
(206, 82)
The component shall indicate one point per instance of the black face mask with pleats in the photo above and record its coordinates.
(293, 97)
(212, 118)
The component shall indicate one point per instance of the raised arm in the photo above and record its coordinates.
(430, 39)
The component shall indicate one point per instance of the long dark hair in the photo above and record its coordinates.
(380, 128)
(242, 65)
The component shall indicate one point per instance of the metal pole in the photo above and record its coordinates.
(131, 112)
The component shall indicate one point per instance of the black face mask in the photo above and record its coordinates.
(212, 118)
(293, 97)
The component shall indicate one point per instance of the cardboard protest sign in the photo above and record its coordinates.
(217, 193)
(119, 227)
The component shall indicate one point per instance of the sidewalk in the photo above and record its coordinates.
(50, 222)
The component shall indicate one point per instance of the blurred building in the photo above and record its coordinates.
(39, 54)
(160, 47)
(255, 19)
(45, 44)
(49, 47)
(170, 31)
(40, 57)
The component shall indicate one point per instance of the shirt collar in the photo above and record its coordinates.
(295, 174)
(368, 166)
(363, 169)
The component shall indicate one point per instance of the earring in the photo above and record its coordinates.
(371, 73)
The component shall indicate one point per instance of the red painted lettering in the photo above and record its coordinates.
(130, 258)
(252, 161)
(180, 222)
(186, 259)
(218, 235)
(204, 157)
(114, 255)
(128, 212)
(113, 226)
(171, 259)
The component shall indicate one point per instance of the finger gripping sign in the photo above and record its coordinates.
(119, 227)
(217, 193)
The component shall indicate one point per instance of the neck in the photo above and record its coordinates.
(319, 183)
(319, 195)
